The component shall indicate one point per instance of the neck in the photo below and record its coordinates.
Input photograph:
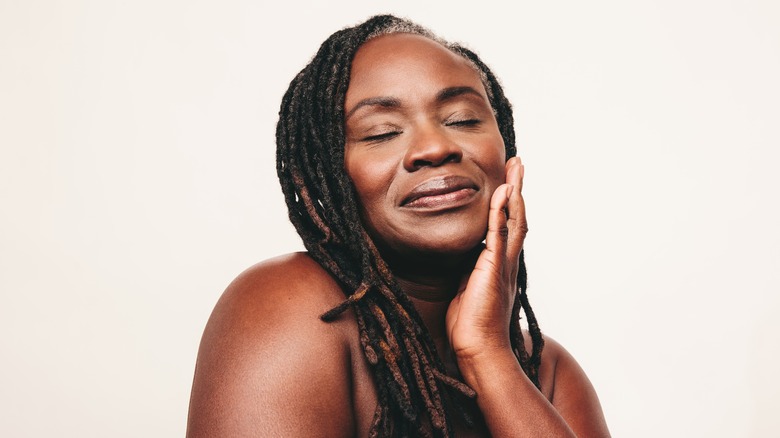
(431, 298)
(431, 284)
(431, 278)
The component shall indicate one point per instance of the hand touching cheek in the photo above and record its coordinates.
(478, 319)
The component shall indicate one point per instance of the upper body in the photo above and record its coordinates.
(268, 366)
(423, 235)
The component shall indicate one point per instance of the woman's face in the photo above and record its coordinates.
(423, 147)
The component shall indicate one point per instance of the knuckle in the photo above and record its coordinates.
(524, 227)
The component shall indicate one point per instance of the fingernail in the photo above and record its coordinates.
(509, 189)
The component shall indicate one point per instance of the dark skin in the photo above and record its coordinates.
(428, 164)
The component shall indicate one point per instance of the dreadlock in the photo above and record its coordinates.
(416, 396)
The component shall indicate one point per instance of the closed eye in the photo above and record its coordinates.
(464, 123)
(381, 137)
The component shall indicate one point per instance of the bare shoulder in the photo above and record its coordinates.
(267, 365)
(292, 286)
(568, 388)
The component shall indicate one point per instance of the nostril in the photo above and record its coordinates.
(417, 164)
(450, 158)
(431, 148)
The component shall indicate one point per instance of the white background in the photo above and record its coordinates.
(137, 179)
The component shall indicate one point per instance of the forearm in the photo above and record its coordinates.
(510, 403)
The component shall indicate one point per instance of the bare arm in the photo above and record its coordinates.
(513, 407)
(267, 365)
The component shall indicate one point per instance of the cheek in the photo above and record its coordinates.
(492, 160)
(370, 178)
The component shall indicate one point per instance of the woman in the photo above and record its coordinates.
(396, 157)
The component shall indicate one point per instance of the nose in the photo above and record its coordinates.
(431, 147)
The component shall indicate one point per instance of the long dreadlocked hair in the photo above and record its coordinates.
(416, 395)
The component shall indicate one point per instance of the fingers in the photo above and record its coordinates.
(497, 235)
(516, 222)
(515, 164)
(507, 225)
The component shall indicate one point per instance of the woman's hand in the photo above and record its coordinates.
(479, 316)
(478, 322)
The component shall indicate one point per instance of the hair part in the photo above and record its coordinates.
(416, 395)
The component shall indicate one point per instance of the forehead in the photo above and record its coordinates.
(405, 64)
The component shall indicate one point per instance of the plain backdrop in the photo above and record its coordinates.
(137, 180)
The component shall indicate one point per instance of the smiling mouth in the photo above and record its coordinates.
(442, 192)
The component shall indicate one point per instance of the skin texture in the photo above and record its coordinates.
(427, 161)
(404, 128)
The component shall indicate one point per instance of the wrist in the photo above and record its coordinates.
(488, 367)
(481, 346)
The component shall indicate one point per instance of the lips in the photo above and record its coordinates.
(447, 191)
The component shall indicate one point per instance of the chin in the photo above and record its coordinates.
(444, 239)
(447, 245)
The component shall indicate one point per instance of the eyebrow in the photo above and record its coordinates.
(453, 92)
(382, 101)
(391, 102)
